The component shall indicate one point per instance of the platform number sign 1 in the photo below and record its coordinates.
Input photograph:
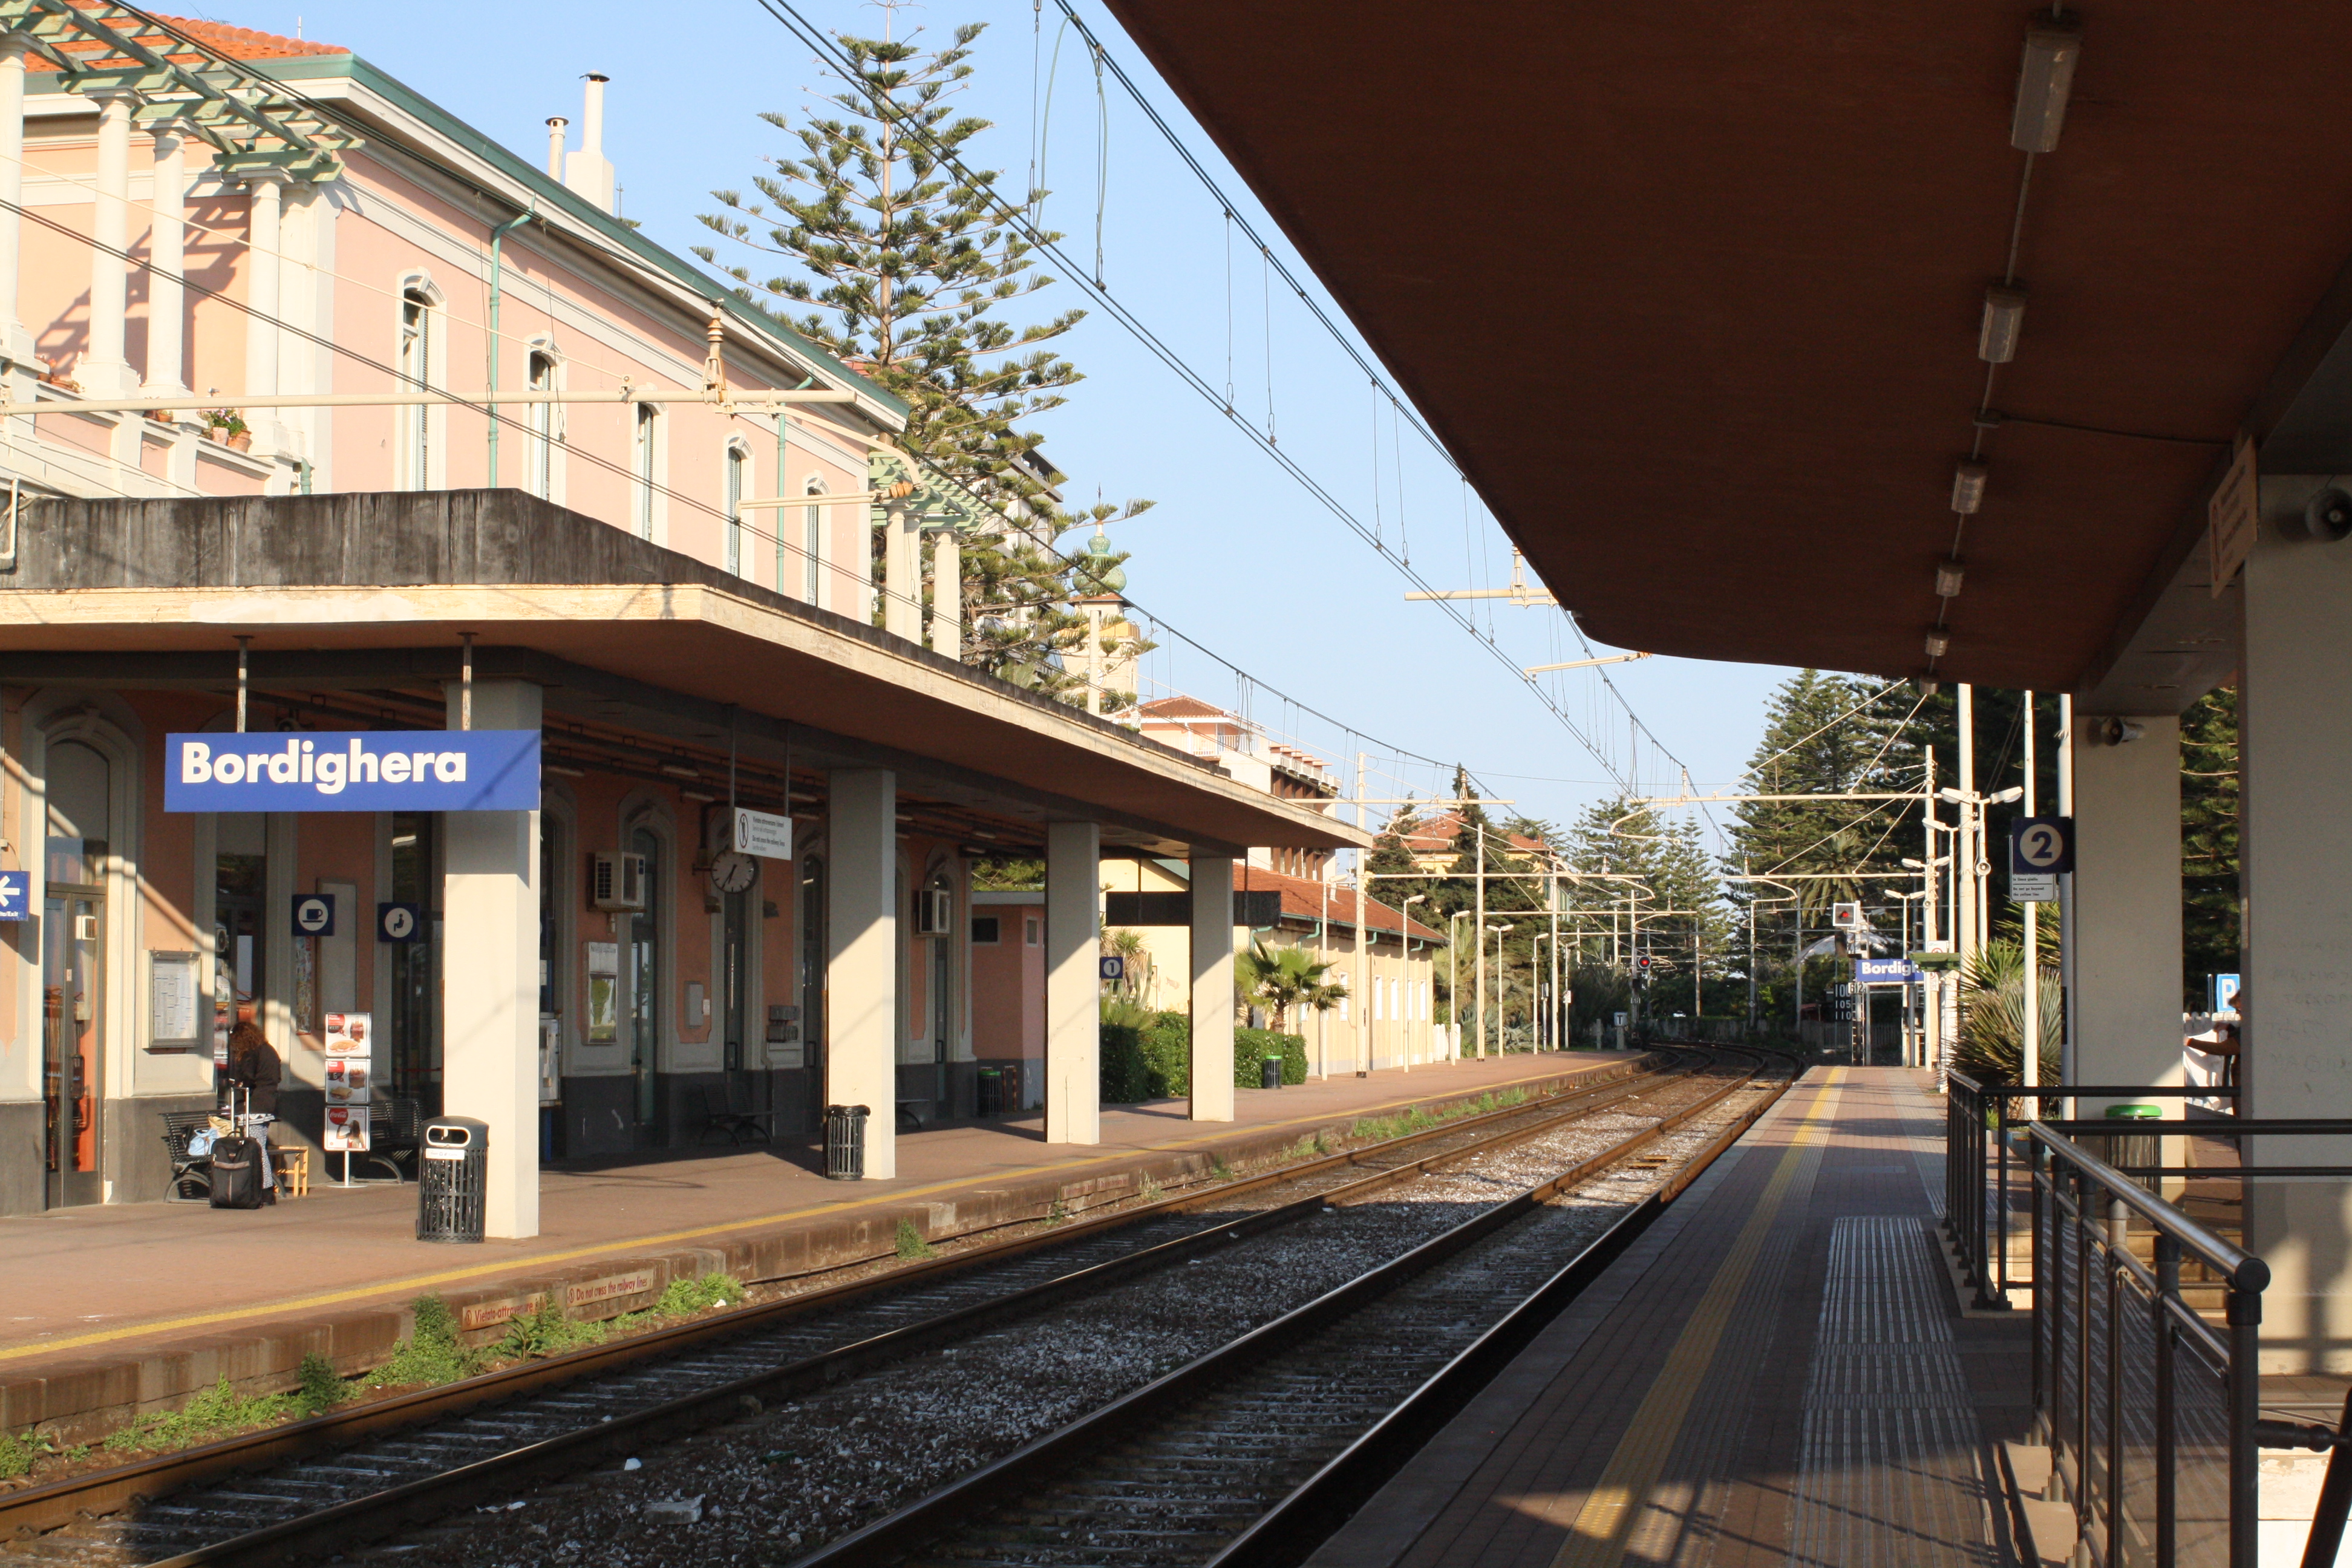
(2041, 851)
(314, 914)
(1114, 966)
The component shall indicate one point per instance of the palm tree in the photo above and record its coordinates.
(1286, 977)
(1992, 1016)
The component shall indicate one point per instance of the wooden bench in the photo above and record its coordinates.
(293, 1169)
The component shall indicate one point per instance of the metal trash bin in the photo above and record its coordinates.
(2127, 1149)
(991, 1093)
(453, 1179)
(845, 1143)
(1270, 1072)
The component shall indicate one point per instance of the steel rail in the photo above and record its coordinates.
(891, 1538)
(36, 1510)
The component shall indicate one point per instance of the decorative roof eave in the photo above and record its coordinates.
(243, 116)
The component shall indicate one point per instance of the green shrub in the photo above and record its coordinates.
(320, 1388)
(1253, 1046)
(911, 1244)
(1167, 1045)
(17, 1454)
(432, 1354)
(1124, 1079)
(684, 1298)
(544, 1331)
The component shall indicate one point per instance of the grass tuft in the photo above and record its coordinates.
(911, 1244)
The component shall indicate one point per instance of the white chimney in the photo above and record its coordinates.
(556, 125)
(588, 170)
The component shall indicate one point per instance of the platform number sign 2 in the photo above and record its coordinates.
(2041, 851)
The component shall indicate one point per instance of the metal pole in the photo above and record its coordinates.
(2067, 1071)
(1363, 937)
(2245, 1318)
(1478, 937)
(2029, 1030)
(244, 675)
(1964, 843)
(466, 686)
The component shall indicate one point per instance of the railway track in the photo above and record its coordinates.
(319, 1487)
(1253, 1453)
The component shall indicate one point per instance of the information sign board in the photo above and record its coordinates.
(15, 895)
(2041, 851)
(763, 833)
(362, 770)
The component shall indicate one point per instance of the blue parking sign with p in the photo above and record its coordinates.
(15, 895)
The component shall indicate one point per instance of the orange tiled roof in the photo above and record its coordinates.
(1183, 708)
(1432, 835)
(1306, 898)
(237, 43)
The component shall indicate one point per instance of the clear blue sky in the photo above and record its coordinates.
(1236, 554)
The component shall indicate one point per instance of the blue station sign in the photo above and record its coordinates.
(362, 770)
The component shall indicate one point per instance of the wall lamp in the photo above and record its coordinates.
(2004, 316)
(2043, 81)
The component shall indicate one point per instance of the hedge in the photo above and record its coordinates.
(1155, 1062)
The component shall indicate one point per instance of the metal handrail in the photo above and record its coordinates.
(2072, 1185)
(1976, 1180)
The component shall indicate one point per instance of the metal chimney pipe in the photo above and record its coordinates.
(556, 124)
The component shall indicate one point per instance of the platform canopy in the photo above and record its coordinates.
(1693, 294)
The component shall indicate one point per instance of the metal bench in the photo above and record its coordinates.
(394, 1136)
(188, 1171)
(734, 1119)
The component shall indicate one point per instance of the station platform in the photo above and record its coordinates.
(111, 1310)
(1777, 1371)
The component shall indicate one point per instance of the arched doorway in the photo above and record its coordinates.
(73, 971)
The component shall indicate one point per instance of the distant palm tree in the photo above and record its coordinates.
(1284, 978)
(1992, 1016)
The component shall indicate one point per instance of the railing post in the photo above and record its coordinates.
(2167, 1445)
(2118, 1217)
(2000, 1201)
(2245, 1315)
(2048, 1280)
(2082, 1223)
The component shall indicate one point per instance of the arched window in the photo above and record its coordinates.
(812, 546)
(739, 462)
(414, 466)
(648, 445)
(542, 426)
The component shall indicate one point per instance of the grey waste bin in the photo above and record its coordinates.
(990, 1092)
(845, 1143)
(453, 1179)
(2127, 1149)
(1269, 1072)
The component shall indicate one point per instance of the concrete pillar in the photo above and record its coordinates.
(105, 368)
(2126, 933)
(902, 585)
(167, 250)
(263, 240)
(947, 595)
(1073, 983)
(489, 987)
(298, 316)
(1212, 988)
(15, 342)
(2295, 846)
(861, 1053)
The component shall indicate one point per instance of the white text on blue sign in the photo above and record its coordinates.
(366, 770)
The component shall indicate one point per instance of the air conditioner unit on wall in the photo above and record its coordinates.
(934, 911)
(617, 882)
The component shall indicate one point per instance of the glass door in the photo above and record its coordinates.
(643, 962)
(73, 950)
(415, 1034)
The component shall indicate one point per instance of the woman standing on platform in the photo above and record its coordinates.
(254, 1067)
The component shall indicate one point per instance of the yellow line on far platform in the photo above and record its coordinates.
(636, 1244)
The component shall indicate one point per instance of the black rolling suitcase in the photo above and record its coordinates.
(237, 1181)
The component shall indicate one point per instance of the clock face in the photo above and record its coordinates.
(733, 871)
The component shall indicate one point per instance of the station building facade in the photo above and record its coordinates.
(601, 972)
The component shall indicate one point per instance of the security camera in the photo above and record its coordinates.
(2120, 731)
(2328, 515)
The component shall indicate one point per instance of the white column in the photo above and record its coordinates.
(105, 369)
(947, 595)
(167, 253)
(2128, 906)
(15, 342)
(902, 586)
(489, 987)
(1212, 988)
(297, 313)
(1073, 983)
(2295, 849)
(861, 1057)
(263, 242)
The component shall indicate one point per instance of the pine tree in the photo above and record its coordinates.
(909, 270)
(2209, 841)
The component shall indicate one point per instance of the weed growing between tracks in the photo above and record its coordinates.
(221, 1412)
(1420, 1118)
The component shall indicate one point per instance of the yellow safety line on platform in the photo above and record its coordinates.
(635, 1244)
(1605, 1523)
